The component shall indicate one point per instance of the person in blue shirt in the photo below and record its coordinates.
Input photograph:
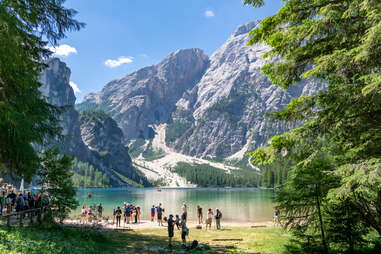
(159, 210)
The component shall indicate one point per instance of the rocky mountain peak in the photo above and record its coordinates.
(246, 28)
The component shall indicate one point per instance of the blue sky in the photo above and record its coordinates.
(124, 35)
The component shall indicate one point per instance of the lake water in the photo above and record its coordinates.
(236, 204)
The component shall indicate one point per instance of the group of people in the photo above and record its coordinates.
(89, 215)
(180, 223)
(209, 217)
(131, 214)
(10, 202)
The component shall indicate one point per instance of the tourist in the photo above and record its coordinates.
(184, 232)
(177, 222)
(126, 213)
(218, 219)
(118, 216)
(90, 215)
(276, 215)
(199, 214)
(135, 214)
(19, 203)
(2, 202)
(83, 214)
(153, 213)
(159, 211)
(138, 213)
(100, 211)
(209, 219)
(185, 212)
(113, 216)
(171, 228)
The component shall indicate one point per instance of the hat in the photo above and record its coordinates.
(170, 216)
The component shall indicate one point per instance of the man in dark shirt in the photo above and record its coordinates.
(171, 227)
(159, 210)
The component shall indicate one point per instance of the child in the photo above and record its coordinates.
(153, 213)
(177, 222)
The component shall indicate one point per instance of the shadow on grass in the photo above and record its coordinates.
(135, 242)
(54, 239)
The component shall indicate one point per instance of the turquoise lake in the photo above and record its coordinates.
(236, 204)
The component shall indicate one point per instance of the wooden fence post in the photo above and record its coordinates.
(21, 215)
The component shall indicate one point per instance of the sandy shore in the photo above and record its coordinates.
(144, 224)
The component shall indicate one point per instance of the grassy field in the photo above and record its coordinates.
(53, 240)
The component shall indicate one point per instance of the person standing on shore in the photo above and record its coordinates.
(138, 213)
(276, 216)
(100, 211)
(83, 214)
(209, 219)
(153, 213)
(199, 214)
(159, 211)
(118, 216)
(218, 219)
(184, 232)
(171, 227)
(185, 212)
(113, 216)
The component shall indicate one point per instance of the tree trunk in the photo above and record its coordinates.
(320, 219)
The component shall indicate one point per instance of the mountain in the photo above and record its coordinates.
(148, 96)
(80, 138)
(222, 117)
(210, 108)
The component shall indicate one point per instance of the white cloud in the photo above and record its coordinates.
(75, 87)
(209, 14)
(63, 50)
(115, 63)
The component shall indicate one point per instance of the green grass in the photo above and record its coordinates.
(54, 239)
(57, 239)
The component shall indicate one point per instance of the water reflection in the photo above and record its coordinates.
(236, 204)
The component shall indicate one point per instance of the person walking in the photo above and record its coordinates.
(218, 219)
(199, 214)
(209, 219)
(171, 228)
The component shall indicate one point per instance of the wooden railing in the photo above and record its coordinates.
(35, 212)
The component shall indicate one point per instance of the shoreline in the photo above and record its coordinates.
(147, 224)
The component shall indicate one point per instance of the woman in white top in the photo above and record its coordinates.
(209, 219)
(83, 213)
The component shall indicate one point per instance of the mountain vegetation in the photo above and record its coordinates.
(85, 176)
(205, 175)
(332, 194)
(25, 117)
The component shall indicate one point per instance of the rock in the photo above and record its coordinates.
(55, 79)
(148, 96)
